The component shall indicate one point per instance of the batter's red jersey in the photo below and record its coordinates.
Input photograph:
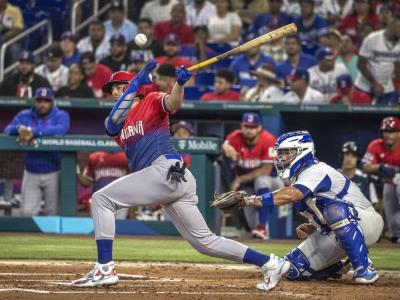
(251, 158)
(105, 167)
(146, 135)
(377, 153)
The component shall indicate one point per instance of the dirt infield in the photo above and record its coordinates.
(49, 280)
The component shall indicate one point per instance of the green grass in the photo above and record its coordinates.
(135, 249)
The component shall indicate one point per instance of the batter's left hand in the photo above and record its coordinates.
(183, 75)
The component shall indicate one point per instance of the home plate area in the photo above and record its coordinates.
(50, 280)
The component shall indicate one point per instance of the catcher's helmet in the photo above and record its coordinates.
(118, 77)
(390, 124)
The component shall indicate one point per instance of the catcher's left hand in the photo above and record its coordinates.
(235, 199)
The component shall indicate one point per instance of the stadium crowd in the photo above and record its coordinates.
(346, 51)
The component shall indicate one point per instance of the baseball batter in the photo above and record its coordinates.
(344, 222)
(139, 123)
(383, 159)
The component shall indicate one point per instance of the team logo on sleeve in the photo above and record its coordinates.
(132, 130)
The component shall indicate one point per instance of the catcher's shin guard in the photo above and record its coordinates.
(299, 265)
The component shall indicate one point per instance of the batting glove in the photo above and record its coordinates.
(144, 76)
(183, 75)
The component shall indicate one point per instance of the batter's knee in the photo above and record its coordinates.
(99, 200)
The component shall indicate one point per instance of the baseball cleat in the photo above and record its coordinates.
(364, 275)
(101, 275)
(260, 232)
(273, 269)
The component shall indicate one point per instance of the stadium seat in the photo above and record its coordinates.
(205, 78)
(195, 92)
(248, 82)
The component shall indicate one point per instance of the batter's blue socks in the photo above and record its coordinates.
(104, 251)
(255, 258)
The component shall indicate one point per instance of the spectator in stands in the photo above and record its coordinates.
(365, 29)
(153, 47)
(224, 26)
(69, 50)
(275, 49)
(165, 77)
(250, 149)
(158, 10)
(118, 23)
(24, 81)
(347, 55)
(323, 76)
(172, 46)
(41, 174)
(267, 88)
(335, 11)
(53, 69)
(347, 94)
(271, 20)
(243, 64)
(198, 11)
(300, 90)
(296, 58)
(180, 130)
(249, 9)
(224, 79)
(76, 87)
(96, 42)
(96, 74)
(379, 63)
(11, 24)
(350, 157)
(384, 12)
(137, 63)
(119, 59)
(363, 12)
(102, 169)
(175, 25)
(310, 26)
(331, 39)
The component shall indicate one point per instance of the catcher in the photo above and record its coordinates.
(342, 222)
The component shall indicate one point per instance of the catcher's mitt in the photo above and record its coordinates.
(228, 201)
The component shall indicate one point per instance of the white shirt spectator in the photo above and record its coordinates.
(219, 28)
(292, 7)
(103, 50)
(325, 82)
(311, 96)
(193, 19)
(57, 79)
(272, 94)
(156, 12)
(332, 8)
(381, 55)
(128, 30)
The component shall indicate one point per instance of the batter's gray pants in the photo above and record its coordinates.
(391, 204)
(179, 203)
(38, 187)
(323, 251)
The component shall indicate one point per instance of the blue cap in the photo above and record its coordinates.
(325, 53)
(172, 39)
(44, 93)
(344, 81)
(183, 124)
(68, 35)
(299, 74)
(248, 37)
(251, 119)
(120, 38)
(26, 55)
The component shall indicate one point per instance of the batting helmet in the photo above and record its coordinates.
(118, 77)
(390, 124)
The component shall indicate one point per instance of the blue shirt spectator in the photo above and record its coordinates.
(310, 27)
(68, 47)
(43, 120)
(119, 24)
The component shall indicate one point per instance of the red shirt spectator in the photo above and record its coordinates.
(224, 79)
(172, 46)
(175, 25)
(177, 61)
(227, 96)
(347, 94)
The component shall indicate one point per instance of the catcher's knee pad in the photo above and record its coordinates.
(299, 265)
(342, 219)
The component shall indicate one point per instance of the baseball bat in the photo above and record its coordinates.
(265, 38)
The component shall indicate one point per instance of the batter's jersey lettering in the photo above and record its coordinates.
(146, 135)
(321, 185)
(251, 158)
(377, 153)
(104, 167)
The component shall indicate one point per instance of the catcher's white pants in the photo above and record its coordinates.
(323, 251)
(178, 199)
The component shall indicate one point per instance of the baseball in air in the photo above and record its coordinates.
(140, 40)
